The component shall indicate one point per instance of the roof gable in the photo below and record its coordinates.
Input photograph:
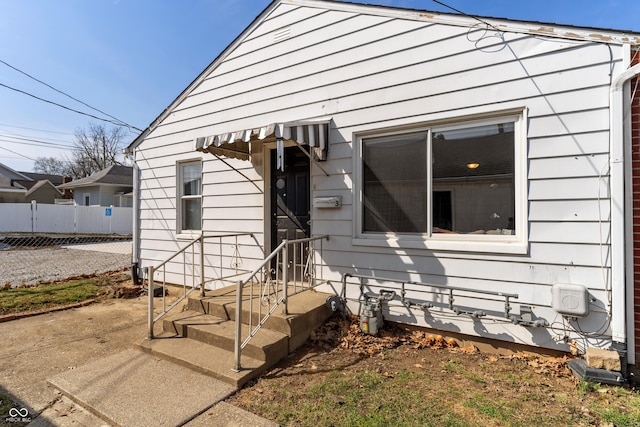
(11, 174)
(282, 7)
(113, 175)
(43, 184)
(54, 179)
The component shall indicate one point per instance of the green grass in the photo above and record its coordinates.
(587, 386)
(496, 409)
(16, 300)
(617, 406)
(6, 404)
(367, 399)
(452, 366)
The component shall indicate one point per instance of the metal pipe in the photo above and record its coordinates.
(238, 337)
(455, 288)
(285, 276)
(617, 187)
(202, 266)
(135, 245)
(193, 271)
(150, 300)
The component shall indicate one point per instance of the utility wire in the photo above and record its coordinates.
(120, 122)
(34, 142)
(66, 108)
(38, 130)
(466, 14)
(15, 152)
(63, 142)
(42, 140)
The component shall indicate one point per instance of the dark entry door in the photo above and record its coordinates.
(290, 197)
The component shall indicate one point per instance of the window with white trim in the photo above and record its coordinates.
(455, 182)
(190, 196)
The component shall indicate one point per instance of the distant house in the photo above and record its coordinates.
(109, 187)
(10, 191)
(25, 187)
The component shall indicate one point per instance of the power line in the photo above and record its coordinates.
(15, 152)
(62, 106)
(10, 157)
(38, 130)
(34, 142)
(470, 16)
(30, 137)
(121, 123)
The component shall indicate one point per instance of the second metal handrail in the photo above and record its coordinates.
(274, 287)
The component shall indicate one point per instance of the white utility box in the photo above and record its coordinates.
(570, 300)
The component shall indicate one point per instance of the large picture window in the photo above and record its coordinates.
(443, 181)
(190, 187)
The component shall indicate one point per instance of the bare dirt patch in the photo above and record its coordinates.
(39, 347)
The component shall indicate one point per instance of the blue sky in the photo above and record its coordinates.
(131, 58)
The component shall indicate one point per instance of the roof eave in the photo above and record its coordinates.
(500, 24)
(214, 64)
(593, 34)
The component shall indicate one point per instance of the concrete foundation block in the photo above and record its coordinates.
(599, 358)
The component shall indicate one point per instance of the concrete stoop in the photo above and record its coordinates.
(202, 337)
(183, 374)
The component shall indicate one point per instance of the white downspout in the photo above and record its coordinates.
(617, 176)
(135, 246)
(136, 210)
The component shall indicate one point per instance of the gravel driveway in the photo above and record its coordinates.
(19, 267)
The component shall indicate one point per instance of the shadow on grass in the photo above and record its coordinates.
(13, 412)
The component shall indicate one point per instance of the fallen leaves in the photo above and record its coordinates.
(345, 334)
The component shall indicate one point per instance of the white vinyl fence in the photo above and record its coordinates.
(45, 218)
(41, 243)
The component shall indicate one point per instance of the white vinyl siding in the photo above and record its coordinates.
(375, 73)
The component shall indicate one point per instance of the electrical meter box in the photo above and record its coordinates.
(570, 300)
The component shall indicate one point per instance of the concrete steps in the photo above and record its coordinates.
(202, 337)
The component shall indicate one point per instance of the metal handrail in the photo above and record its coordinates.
(151, 270)
(280, 253)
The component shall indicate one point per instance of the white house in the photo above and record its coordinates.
(108, 187)
(445, 154)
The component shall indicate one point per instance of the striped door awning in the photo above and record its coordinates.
(313, 133)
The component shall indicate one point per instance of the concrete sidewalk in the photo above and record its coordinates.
(54, 345)
(133, 388)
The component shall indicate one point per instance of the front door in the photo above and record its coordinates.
(290, 198)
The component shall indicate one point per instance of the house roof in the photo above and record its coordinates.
(40, 184)
(11, 174)
(33, 178)
(113, 175)
(536, 28)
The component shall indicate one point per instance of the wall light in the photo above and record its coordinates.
(473, 165)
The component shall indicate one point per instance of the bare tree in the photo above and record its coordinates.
(51, 165)
(95, 148)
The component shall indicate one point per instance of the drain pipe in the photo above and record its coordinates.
(617, 185)
(136, 271)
